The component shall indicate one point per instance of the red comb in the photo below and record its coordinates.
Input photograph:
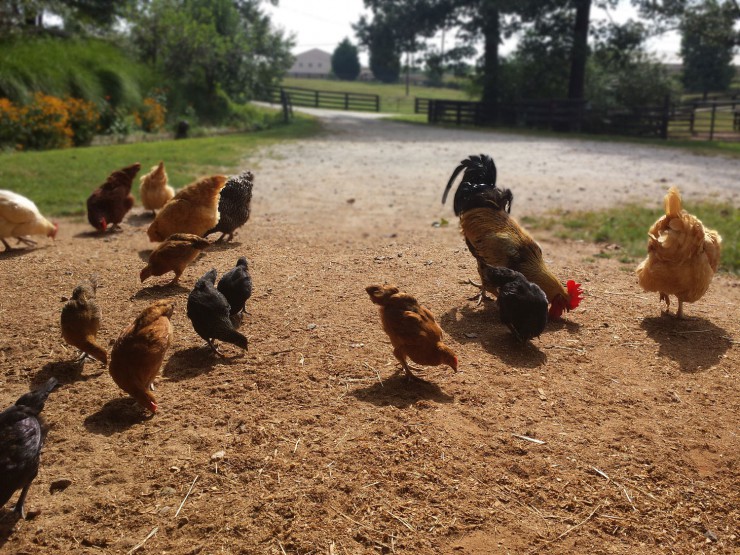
(575, 293)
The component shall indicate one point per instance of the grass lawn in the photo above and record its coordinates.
(627, 227)
(59, 181)
(393, 96)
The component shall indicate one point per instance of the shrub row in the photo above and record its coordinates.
(50, 122)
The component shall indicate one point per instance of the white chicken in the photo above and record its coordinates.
(19, 217)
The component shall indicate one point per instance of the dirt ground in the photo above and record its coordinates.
(312, 442)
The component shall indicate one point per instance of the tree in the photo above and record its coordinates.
(707, 45)
(77, 15)
(213, 51)
(345, 62)
(383, 47)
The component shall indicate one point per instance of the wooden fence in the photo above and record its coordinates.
(333, 100)
(701, 120)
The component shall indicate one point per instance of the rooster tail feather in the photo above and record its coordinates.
(672, 203)
(452, 179)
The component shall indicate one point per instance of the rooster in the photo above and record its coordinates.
(154, 190)
(109, 203)
(233, 205)
(683, 255)
(496, 239)
(411, 328)
(19, 217)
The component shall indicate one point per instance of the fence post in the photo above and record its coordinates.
(346, 101)
(711, 125)
(316, 99)
(666, 117)
(458, 115)
(430, 111)
(377, 103)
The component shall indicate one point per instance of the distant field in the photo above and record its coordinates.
(392, 96)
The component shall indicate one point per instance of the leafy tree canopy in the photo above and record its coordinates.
(345, 61)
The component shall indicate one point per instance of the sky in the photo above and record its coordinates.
(324, 24)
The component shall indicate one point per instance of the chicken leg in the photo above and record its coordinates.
(481, 296)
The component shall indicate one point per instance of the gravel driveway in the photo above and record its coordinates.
(359, 153)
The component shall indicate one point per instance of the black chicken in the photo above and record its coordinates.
(233, 205)
(21, 439)
(236, 286)
(522, 304)
(208, 310)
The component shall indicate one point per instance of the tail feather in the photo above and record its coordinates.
(230, 335)
(672, 203)
(36, 399)
(500, 276)
(94, 350)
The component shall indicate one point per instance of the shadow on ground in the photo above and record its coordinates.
(696, 344)
(116, 416)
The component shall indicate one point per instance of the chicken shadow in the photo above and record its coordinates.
(467, 324)
(69, 371)
(93, 234)
(116, 416)
(163, 291)
(400, 392)
(194, 361)
(144, 255)
(224, 246)
(15, 252)
(141, 219)
(696, 344)
(8, 520)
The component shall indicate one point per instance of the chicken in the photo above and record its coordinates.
(496, 239)
(81, 322)
(139, 351)
(193, 209)
(522, 305)
(109, 203)
(19, 217)
(208, 310)
(411, 328)
(682, 256)
(236, 286)
(153, 189)
(21, 439)
(173, 255)
(233, 205)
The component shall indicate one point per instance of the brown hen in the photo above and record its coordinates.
(109, 203)
(139, 351)
(81, 322)
(173, 255)
(193, 209)
(154, 190)
(411, 328)
(683, 255)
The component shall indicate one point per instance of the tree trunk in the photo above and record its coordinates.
(579, 54)
(492, 36)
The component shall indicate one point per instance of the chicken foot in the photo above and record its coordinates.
(213, 347)
(7, 246)
(481, 296)
(26, 241)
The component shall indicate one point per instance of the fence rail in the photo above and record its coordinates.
(333, 100)
(702, 120)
